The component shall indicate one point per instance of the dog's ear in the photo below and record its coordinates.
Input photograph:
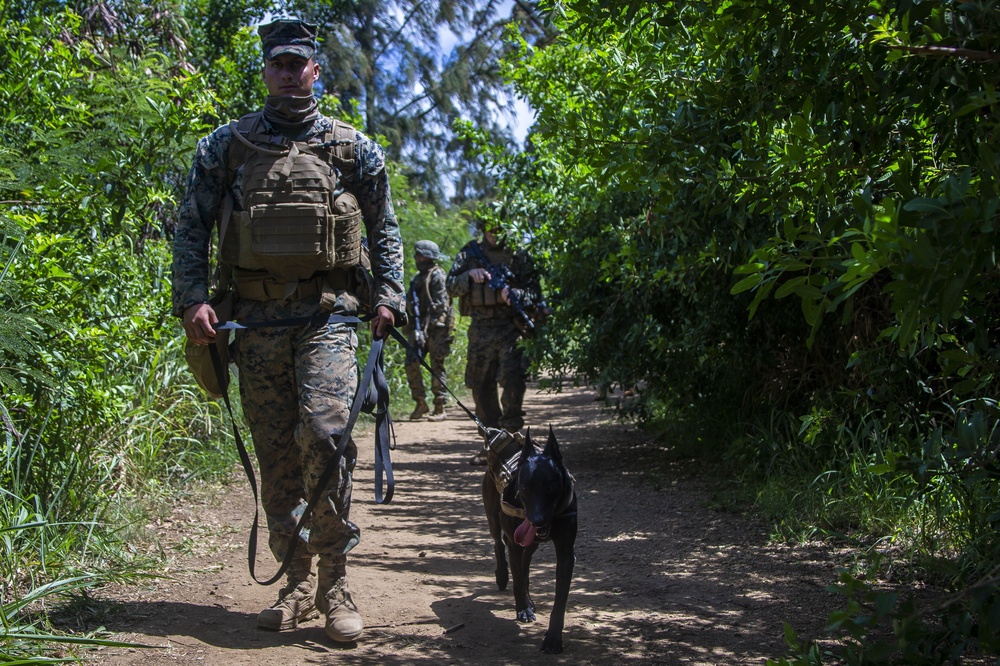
(528, 449)
(552, 447)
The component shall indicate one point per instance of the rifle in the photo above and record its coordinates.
(421, 342)
(500, 277)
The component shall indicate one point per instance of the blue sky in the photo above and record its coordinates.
(523, 113)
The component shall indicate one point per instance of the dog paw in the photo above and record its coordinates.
(502, 578)
(526, 615)
(552, 644)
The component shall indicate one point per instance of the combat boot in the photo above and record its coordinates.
(296, 600)
(333, 598)
(420, 410)
(439, 414)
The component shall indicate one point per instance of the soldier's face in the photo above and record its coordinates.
(494, 235)
(288, 74)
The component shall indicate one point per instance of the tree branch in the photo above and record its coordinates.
(531, 15)
(389, 42)
(947, 51)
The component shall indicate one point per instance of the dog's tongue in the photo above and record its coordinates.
(524, 535)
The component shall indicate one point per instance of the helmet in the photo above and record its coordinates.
(427, 249)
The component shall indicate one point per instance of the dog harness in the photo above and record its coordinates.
(503, 457)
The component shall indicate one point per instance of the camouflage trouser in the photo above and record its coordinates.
(297, 385)
(495, 357)
(438, 347)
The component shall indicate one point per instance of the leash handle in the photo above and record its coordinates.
(319, 319)
(374, 375)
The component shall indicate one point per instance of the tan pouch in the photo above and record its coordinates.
(347, 231)
(198, 357)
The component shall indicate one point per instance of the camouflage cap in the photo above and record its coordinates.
(427, 249)
(288, 36)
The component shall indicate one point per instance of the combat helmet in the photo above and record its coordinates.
(427, 249)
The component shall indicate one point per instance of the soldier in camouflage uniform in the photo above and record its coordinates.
(430, 322)
(494, 355)
(296, 383)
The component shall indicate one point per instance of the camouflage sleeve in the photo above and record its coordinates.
(369, 183)
(440, 300)
(527, 283)
(196, 216)
(457, 282)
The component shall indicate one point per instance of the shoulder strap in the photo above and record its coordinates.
(238, 149)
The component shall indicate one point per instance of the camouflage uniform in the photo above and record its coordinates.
(494, 355)
(436, 323)
(296, 384)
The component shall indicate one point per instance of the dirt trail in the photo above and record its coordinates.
(660, 577)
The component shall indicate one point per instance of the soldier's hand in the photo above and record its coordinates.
(198, 321)
(479, 275)
(383, 321)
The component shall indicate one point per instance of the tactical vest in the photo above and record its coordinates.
(422, 282)
(480, 295)
(296, 221)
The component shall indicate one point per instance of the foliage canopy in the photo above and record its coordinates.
(827, 169)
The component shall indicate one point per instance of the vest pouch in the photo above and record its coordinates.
(291, 240)
(481, 295)
(239, 228)
(346, 231)
(198, 357)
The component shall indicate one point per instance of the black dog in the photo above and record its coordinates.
(542, 496)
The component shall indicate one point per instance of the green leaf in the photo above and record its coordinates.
(747, 283)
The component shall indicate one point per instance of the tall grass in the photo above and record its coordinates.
(64, 509)
(919, 500)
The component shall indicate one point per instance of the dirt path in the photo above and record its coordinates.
(660, 577)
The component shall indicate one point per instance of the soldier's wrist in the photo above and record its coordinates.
(181, 309)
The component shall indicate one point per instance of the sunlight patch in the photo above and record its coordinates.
(630, 536)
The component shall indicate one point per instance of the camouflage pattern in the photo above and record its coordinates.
(287, 36)
(494, 355)
(206, 186)
(518, 261)
(437, 320)
(427, 249)
(296, 384)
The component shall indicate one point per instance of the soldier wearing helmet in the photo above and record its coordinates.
(430, 323)
(497, 308)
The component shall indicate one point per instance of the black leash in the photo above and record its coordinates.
(483, 430)
(372, 395)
